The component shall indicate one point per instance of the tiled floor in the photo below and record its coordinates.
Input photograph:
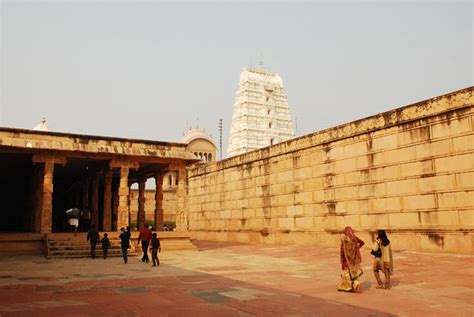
(224, 279)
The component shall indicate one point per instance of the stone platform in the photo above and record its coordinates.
(231, 279)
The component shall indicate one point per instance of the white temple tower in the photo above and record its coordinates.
(261, 113)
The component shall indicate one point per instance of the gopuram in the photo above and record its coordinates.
(261, 114)
(45, 173)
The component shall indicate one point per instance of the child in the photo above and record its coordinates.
(105, 245)
(155, 248)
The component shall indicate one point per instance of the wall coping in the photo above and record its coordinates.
(459, 99)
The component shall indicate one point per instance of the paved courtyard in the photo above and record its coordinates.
(228, 279)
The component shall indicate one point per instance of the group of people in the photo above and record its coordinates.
(351, 260)
(147, 238)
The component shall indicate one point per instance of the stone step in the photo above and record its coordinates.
(82, 251)
(81, 247)
(74, 256)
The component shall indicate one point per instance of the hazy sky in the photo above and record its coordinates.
(147, 69)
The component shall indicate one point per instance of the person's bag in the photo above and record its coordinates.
(377, 254)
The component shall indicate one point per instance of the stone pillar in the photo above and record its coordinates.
(141, 203)
(107, 210)
(159, 202)
(122, 213)
(45, 212)
(95, 202)
(181, 212)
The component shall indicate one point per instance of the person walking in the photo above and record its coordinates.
(93, 238)
(105, 245)
(155, 247)
(124, 243)
(73, 218)
(350, 261)
(144, 237)
(382, 251)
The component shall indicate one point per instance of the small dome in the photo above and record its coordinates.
(195, 134)
(41, 126)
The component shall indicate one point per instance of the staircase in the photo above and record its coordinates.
(60, 246)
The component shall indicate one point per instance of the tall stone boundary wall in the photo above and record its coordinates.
(409, 171)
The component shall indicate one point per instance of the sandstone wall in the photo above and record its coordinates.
(169, 205)
(410, 171)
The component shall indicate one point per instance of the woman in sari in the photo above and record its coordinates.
(383, 259)
(350, 261)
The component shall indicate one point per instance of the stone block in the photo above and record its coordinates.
(466, 218)
(316, 170)
(346, 192)
(304, 197)
(385, 142)
(451, 127)
(355, 149)
(294, 210)
(465, 180)
(464, 143)
(460, 199)
(225, 214)
(312, 183)
(436, 183)
(433, 149)
(403, 220)
(318, 195)
(248, 213)
(236, 214)
(419, 202)
(421, 134)
(399, 155)
(286, 176)
(347, 220)
(302, 173)
(286, 223)
(313, 209)
(454, 163)
(345, 165)
(374, 221)
(304, 222)
(402, 187)
(386, 204)
(256, 223)
(385, 173)
(438, 218)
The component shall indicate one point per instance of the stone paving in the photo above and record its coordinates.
(229, 279)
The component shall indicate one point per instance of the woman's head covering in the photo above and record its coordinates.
(348, 232)
(383, 237)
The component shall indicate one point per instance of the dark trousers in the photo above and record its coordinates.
(125, 254)
(154, 257)
(145, 244)
(93, 244)
(105, 251)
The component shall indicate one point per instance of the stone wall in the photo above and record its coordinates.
(410, 171)
(169, 205)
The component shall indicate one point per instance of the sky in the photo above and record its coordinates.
(150, 70)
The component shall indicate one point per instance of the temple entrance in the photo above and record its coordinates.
(71, 181)
(16, 192)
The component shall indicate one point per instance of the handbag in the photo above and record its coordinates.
(377, 254)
